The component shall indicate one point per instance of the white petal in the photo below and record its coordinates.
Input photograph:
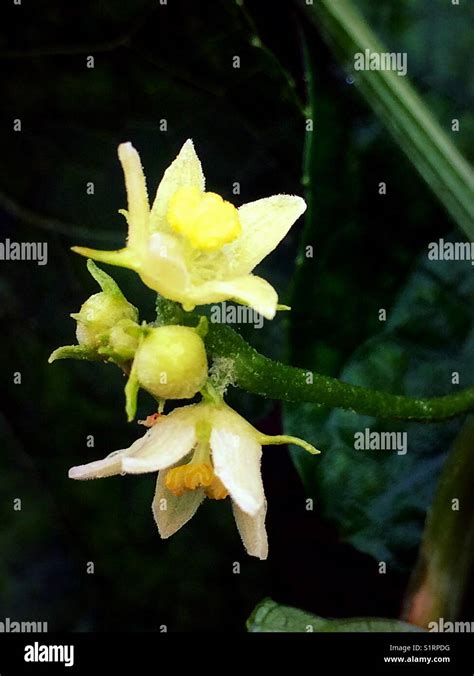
(109, 466)
(171, 512)
(248, 290)
(163, 268)
(236, 456)
(97, 469)
(185, 170)
(138, 208)
(164, 444)
(252, 530)
(264, 224)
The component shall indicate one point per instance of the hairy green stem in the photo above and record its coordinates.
(260, 375)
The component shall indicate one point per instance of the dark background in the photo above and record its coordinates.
(174, 62)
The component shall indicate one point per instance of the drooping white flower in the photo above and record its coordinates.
(201, 450)
(192, 246)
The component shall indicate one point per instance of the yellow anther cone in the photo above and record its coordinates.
(204, 218)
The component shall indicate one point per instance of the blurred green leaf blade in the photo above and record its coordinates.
(402, 110)
(270, 617)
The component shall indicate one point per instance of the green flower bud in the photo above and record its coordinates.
(106, 325)
(171, 362)
(122, 340)
(100, 313)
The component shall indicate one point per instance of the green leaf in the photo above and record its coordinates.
(168, 312)
(379, 498)
(270, 617)
(401, 109)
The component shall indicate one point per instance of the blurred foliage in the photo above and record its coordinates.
(270, 617)
(404, 114)
(174, 62)
(429, 331)
(428, 337)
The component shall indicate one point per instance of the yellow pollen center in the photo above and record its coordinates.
(195, 475)
(204, 218)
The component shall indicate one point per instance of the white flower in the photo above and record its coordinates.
(193, 247)
(200, 450)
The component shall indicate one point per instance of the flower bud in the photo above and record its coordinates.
(107, 328)
(98, 315)
(122, 340)
(102, 311)
(171, 362)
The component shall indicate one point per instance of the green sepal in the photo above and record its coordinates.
(74, 352)
(131, 394)
(279, 439)
(203, 327)
(105, 281)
